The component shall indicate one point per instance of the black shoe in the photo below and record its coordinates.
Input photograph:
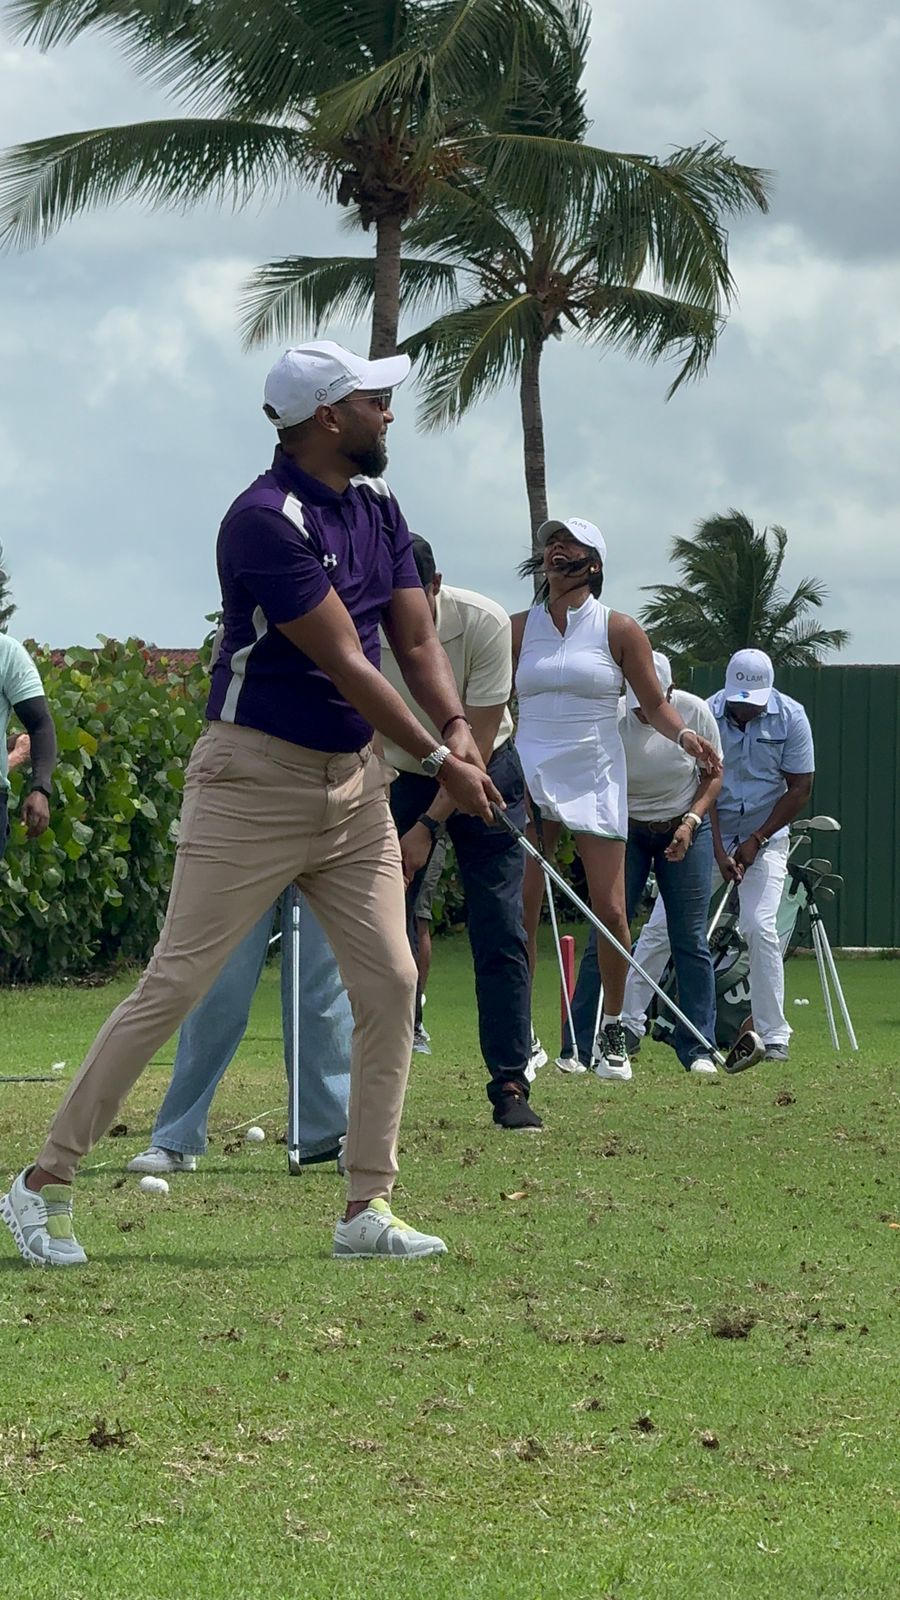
(511, 1110)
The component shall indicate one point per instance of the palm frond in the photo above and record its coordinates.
(466, 225)
(175, 163)
(729, 598)
(465, 50)
(805, 645)
(254, 58)
(469, 353)
(293, 297)
(652, 326)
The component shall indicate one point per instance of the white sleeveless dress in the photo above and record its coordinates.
(568, 687)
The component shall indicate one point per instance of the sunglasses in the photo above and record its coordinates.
(381, 399)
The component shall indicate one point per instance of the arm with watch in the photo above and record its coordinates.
(784, 811)
(417, 843)
(683, 837)
(328, 636)
(35, 718)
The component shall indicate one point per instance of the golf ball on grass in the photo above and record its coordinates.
(151, 1185)
(254, 1135)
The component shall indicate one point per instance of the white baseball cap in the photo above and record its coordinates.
(749, 677)
(584, 532)
(664, 674)
(321, 374)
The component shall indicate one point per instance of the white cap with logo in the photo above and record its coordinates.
(749, 677)
(321, 374)
(584, 532)
(664, 674)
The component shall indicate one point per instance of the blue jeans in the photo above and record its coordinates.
(684, 886)
(212, 1032)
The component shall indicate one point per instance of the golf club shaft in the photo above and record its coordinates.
(294, 1145)
(551, 873)
(828, 957)
(823, 979)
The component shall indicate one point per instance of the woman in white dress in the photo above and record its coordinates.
(572, 657)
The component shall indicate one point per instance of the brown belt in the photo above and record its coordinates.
(656, 827)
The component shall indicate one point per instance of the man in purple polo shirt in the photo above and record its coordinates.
(284, 785)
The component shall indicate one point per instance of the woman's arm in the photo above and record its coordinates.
(630, 647)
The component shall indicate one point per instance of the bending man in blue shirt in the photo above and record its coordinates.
(768, 767)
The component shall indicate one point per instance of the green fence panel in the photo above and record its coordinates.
(855, 717)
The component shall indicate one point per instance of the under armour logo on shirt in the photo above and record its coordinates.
(329, 561)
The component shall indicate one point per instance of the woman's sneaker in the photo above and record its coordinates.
(570, 1065)
(611, 1058)
(157, 1160)
(537, 1058)
(41, 1224)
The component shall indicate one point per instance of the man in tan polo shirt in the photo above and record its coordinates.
(475, 634)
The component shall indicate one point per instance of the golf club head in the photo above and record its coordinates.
(834, 882)
(798, 840)
(824, 893)
(816, 864)
(744, 1053)
(822, 824)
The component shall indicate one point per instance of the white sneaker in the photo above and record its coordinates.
(377, 1232)
(537, 1059)
(158, 1160)
(570, 1065)
(611, 1053)
(613, 1071)
(704, 1067)
(41, 1224)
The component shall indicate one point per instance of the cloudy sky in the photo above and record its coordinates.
(129, 417)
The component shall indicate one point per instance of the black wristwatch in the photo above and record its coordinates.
(38, 788)
(428, 822)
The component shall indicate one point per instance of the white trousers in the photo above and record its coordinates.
(759, 895)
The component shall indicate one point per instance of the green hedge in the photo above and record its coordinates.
(92, 890)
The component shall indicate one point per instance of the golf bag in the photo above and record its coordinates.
(731, 961)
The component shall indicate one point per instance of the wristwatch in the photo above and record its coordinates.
(38, 788)
(431, 764)
(434, 828)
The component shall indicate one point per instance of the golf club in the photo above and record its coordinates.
(747, 1050)
(294, 1132)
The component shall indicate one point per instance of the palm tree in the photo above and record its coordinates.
(375, 103)
(730, 598)
(7, 604)
(546, 234)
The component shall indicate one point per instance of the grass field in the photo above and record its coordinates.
(660, 1359)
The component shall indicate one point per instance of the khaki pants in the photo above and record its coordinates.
(258, 813)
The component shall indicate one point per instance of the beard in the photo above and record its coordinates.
(372, 462)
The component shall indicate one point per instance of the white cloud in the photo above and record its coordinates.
(130, 418)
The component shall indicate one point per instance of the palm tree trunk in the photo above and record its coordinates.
(386, 301)
(533, 436)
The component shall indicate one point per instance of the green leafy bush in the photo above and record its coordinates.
(92, 890)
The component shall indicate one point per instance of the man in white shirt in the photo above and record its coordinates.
(669, 833)
(476, 635)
